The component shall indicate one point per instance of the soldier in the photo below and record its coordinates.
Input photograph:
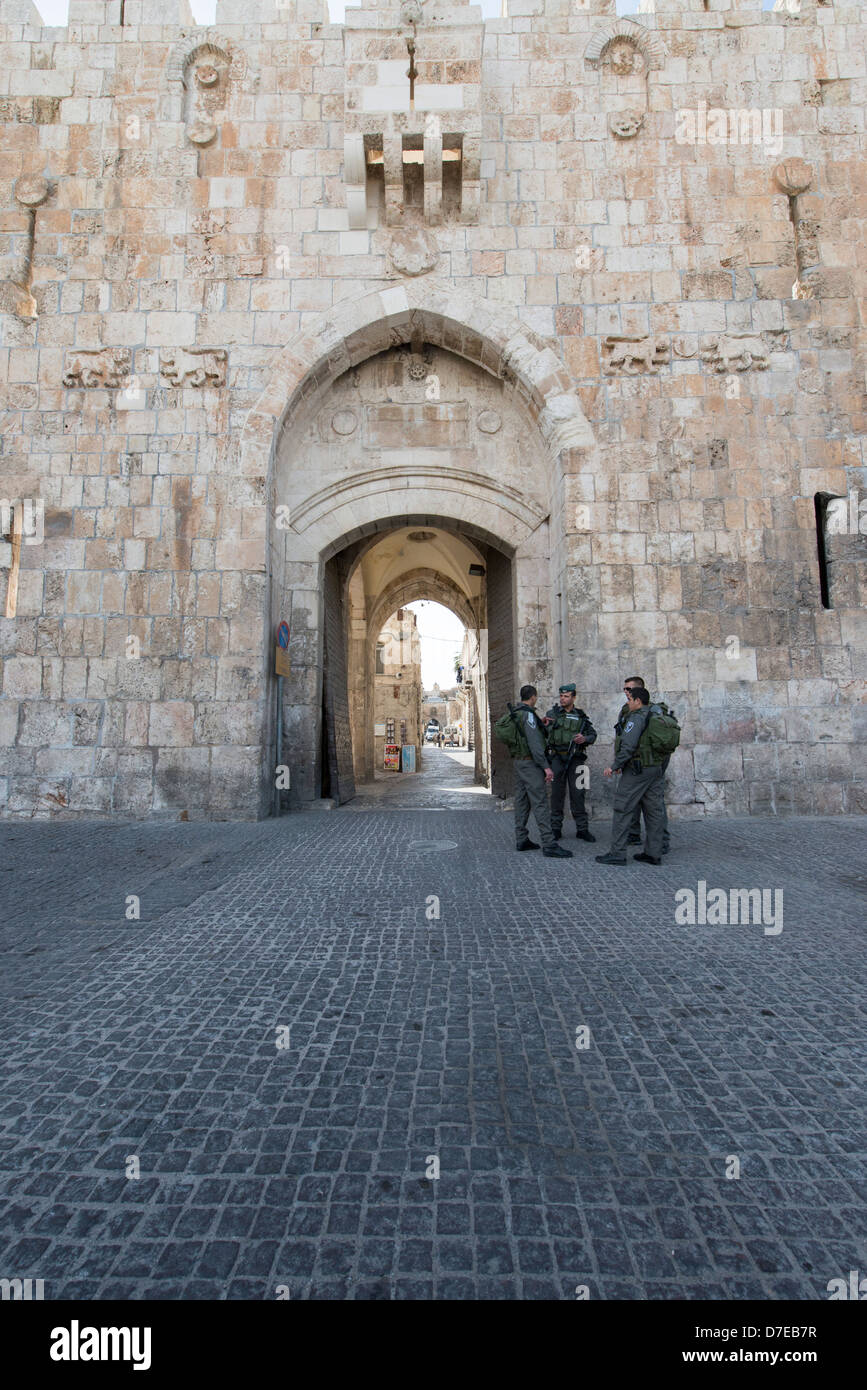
(531, 775)
(635, 828)
(569, 734)
(640, 787)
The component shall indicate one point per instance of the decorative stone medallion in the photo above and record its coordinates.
(489, 421)
(625, 124)
(622, 57)
(202, 132)
(31, 190)
(344, 422)
(794, 176)
(413, 251)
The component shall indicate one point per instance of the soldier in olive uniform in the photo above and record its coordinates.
(629, 685)
(531, 775)
(640, 787)
(570, 733)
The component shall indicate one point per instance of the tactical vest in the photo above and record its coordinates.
(561, 733)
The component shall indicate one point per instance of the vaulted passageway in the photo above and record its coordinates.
(410, 456)
(364, 583)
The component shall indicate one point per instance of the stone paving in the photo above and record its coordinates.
(413, 1036)
(445, 781)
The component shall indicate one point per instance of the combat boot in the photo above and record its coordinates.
(556, 852)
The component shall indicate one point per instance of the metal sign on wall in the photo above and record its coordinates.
(281, 651)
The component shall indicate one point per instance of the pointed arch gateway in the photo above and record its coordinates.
(344, 449)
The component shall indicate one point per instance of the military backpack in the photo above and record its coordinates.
(509, 729)
(661, 736)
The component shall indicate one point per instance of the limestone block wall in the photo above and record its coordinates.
(670, 206)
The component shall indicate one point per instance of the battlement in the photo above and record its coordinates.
(95, 20)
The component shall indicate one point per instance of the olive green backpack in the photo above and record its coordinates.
(660, 738)
(509, 731)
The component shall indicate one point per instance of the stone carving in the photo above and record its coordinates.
(194, 366)
(31, 191)
(202, 132)
(635, 355)
(730, 352)
(90, 367)
(489, 421)
(682, 347)
(625, 124)
(206, 83)
(646, 43)
(344, 422)
(621, 56)
(793, 176)
(413, 252)
(410, 12)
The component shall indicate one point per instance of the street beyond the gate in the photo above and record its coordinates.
(384, 1056)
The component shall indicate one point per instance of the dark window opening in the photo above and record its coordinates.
(821, 501)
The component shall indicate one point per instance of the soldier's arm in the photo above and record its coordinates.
(629, 742)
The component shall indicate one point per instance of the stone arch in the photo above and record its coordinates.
(422, 583)
(432, 584)
(647, 41)
(337, 509)
(455, 319)
(204, 42)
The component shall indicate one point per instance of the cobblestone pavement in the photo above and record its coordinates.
(445, 781)
(412, 1036)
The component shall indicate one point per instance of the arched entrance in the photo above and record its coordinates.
(430, 557)
(412, 408)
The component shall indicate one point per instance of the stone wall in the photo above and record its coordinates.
(650, 233)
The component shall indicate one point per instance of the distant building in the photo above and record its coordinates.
(397, 696)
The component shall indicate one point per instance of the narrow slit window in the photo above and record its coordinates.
(821, 501)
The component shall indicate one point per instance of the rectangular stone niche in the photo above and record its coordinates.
(417, 426)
